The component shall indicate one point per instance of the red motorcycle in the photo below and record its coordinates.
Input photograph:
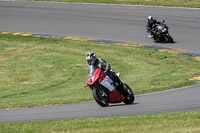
(105, 89)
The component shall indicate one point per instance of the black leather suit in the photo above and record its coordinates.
(151, 27)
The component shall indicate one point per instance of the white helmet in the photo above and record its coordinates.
(91, 58)
(150, 18)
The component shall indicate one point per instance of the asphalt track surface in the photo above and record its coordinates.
(110, 22)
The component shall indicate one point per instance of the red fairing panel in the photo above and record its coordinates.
(95, 76)
(115, 97)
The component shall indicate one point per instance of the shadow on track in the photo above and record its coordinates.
(117, 105)
(164, 42)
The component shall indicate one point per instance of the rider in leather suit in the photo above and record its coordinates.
(101, 63)
(151, 24)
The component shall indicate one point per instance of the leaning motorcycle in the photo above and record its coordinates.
(162, 34)
(105, 90)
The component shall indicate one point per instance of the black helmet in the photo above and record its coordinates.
(91, 58)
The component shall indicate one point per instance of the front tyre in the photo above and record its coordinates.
(170, 39)
(101, 97)
(130, 97)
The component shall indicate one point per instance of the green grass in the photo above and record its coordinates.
(37, 71)
(175, 3)
(160, 123)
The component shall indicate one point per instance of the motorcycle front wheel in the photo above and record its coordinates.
(170, 39)
(101, 97)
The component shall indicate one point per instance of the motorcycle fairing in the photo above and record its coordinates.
(161, 28)
(92, 79)
(115, 97)
(108, 83)
(164, 30)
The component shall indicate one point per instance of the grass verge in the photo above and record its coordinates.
(173, 3)
(37, 71)
(160, 123)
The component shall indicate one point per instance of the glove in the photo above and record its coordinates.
(103, 72)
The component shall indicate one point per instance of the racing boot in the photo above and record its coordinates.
(122, 88)
(150, 36)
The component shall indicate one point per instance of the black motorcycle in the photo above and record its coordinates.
(161, 33)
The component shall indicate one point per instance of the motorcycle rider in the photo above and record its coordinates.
(151, 24)
(101, 63)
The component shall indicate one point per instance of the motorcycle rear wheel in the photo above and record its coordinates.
(130, 98)
(99, 98)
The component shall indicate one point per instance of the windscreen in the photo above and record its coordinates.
(91, 70)
(161, 26)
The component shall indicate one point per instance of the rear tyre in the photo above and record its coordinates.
(130, 97)
(101, 98)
